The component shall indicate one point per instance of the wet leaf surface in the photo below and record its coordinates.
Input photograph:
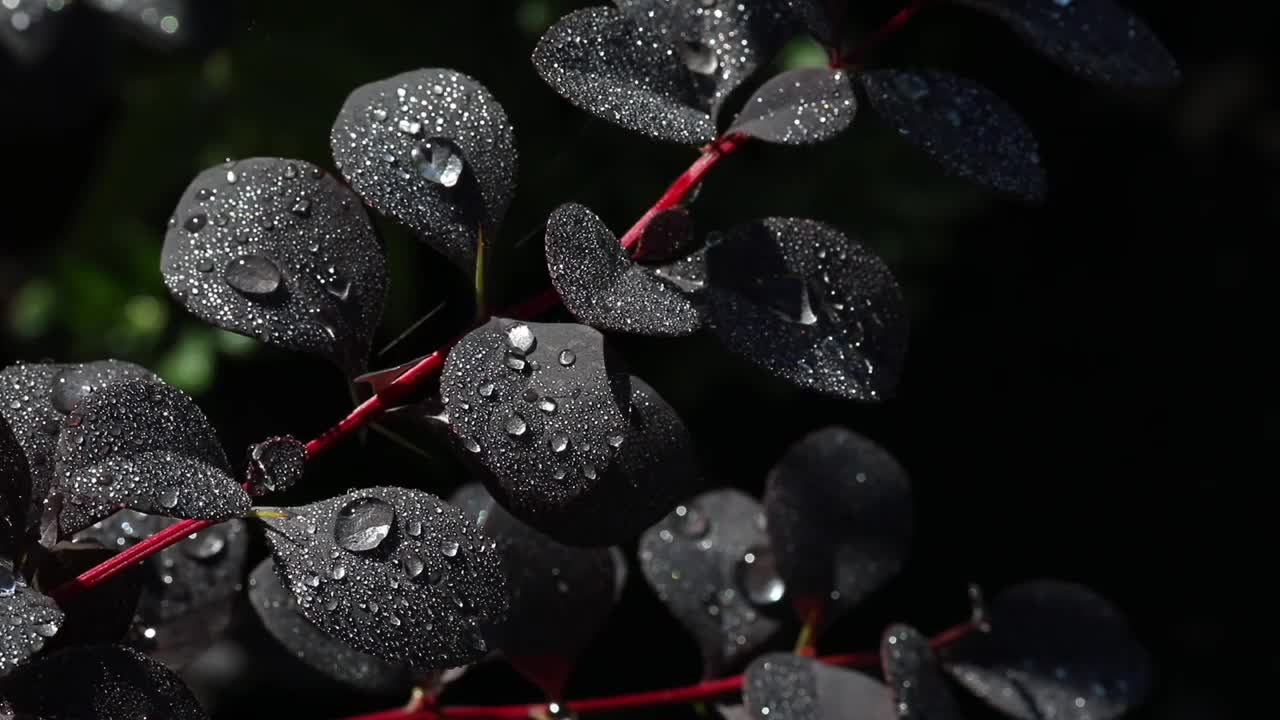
(103, 682)
(188, 590)
(144, 446)
(1055, 649)
(542, 411)
(710, 563)
(799, 107)
(780, 686)
(1096, 39)
(965, 128)
(394, 573)
(435, 151)
(278, 611)
(805, 303)
(27, 619)
(15, 491)
(719, 42)
(601, 285)
(279, 250)
(920, 689)
(276, 464)
(35, 399)
(840, 517)
(626, 74)
(561, 597)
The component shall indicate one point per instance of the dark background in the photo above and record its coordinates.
(1081, 398)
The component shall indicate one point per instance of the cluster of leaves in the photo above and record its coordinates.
(573, 454)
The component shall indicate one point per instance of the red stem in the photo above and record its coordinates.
(886, 31)
(401, 387)
(698, 692)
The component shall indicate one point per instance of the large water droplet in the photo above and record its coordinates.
(196, 222)
(412, 564)
(758, 577)
(521, 339)
(363, 524)
(559, 442)
(253, 275)
(516, 425)
(439, 161)
(449, 548)
(699, 58)
(168, 499)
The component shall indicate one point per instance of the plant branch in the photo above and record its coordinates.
(881, 36)
(399, 389)
(698, 692)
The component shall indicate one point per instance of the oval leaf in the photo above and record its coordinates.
(709, 561)
(965, 128)
(604, 288)
(560, 598)
(1095, 39)
(27, 619)
(279, 614)
(144, 446)
(35, 399)
(432, 149)
(807, 304)
(920, 690)
(799, 107)
(840, 518)
(626, 74)
(719, 42)
(279, 250)
(394, 573)
(542, 409)
(188, 589)
(1055, 650)
(104, 682)
(779, 686)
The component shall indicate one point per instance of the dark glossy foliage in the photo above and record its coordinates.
(103, 616)
(790, 687)
(27, 619)
(1055, 650)
(432, 149)
(920, 689)
(799, 107)
(710, 562)
(394, 573)
(279, 250)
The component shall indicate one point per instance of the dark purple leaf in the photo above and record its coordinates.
(394, 573)
(560, 598)
(719, 42)
(188, 590)
(807, 304)
(779, 686)
(279, 250)
(840, 518)
(278, 611)
(1055, 650)
(27, 619)
(920, 689)
(144, 446)
(35, 399)
(601, 285)
(626, 74)
(799, 107)
(432, 149)
(103, 682)
(965, 128)
(709, 561)
(15, 491)
(1095, 39)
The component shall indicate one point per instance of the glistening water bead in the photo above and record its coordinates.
(363, 524)
(254, 276)
(439, 161)
(758, 577)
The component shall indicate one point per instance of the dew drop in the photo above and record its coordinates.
(363, 524)
(412, 564)
(758, 577)
(559, 442)
(471, 445)
(568, 358)
(699, 58)
(485, 390)
(521, 339)
(449, 548)
(196, 223)
(302, 208)
(547, 405)
(253, 275)
(168, 499)
(439, 161)
(516, 425)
